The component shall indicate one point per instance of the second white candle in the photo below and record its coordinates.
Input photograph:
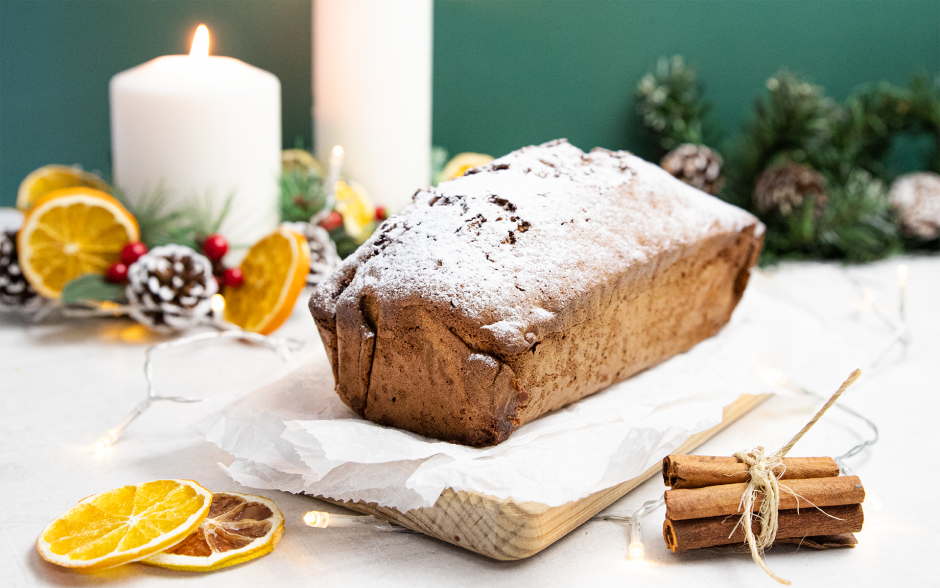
(372, 92)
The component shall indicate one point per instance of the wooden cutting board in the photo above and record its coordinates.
(503, 529)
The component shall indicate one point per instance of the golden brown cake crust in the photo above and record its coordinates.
(526, 285)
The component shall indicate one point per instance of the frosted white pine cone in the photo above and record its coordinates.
(323, 256)
(16, 294)
(696, 165)
(170, 288)
(916, 199)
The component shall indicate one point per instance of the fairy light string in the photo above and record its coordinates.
(97, 308)
(283, 347)
(635, 549)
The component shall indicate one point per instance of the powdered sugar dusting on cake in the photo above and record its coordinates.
(510, 244)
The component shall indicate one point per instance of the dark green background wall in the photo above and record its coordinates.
(506, 72)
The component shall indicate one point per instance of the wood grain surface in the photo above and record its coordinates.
(503, 529)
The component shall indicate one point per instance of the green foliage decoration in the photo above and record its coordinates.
(671, 107)
(302, 195)
(794, 121)
(91, 287)
(189, 226)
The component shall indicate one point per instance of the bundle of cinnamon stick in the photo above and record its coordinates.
(818, 508)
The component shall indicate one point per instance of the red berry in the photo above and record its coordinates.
(215, 247)
(117, 273)
(132, 252)
(333, 221)
(233, 277)
(380, 213)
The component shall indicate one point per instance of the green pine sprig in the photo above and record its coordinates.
(858, 223)
(162, 226)
(157, 224)
(671, 106)
(794, 121)
(872, 117)
(302, 195)
(848, 143)
(438, 162)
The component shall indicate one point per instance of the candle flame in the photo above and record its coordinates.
(200, 46)
(338, 150)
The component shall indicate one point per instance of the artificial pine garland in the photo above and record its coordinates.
(796, 124)
(159, 226)
(671, 106)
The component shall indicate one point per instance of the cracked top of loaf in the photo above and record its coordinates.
(506, 249)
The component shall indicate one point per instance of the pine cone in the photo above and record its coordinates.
(696, 165)
(169, 288)
(323, 256)
(780, 189)
(916, 199)
(15, 292)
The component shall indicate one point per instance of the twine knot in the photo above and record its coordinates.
(764, 480)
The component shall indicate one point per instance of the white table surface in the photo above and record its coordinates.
(64, 382)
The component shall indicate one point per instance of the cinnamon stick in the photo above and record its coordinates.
(713, 501)
(821, 542)
(698, 471)
(713, 531)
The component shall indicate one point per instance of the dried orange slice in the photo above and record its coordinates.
(71, 232)
(298, 160)
(275, 271)
(55, 177)
(461, 162)
(240, 527)
(353, 202)
(125, 524)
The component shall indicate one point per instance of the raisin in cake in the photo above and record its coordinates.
(525, 285)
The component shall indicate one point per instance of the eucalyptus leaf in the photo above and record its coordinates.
(91, 287)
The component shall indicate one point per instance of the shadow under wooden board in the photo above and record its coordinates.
(503, 529)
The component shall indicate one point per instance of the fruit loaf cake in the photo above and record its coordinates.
(525, 285)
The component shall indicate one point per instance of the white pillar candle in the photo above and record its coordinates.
(372, 92)
(202, 128)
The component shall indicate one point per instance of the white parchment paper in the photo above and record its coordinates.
(296, 435)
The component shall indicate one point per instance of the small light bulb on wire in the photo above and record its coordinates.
(635, 551)
(322, 520)
(902, 286)
(106, 441)
(867, 304)
(774, 377)
(317, 519)
(217, 304)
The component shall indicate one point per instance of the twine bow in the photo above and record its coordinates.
(764, 480)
